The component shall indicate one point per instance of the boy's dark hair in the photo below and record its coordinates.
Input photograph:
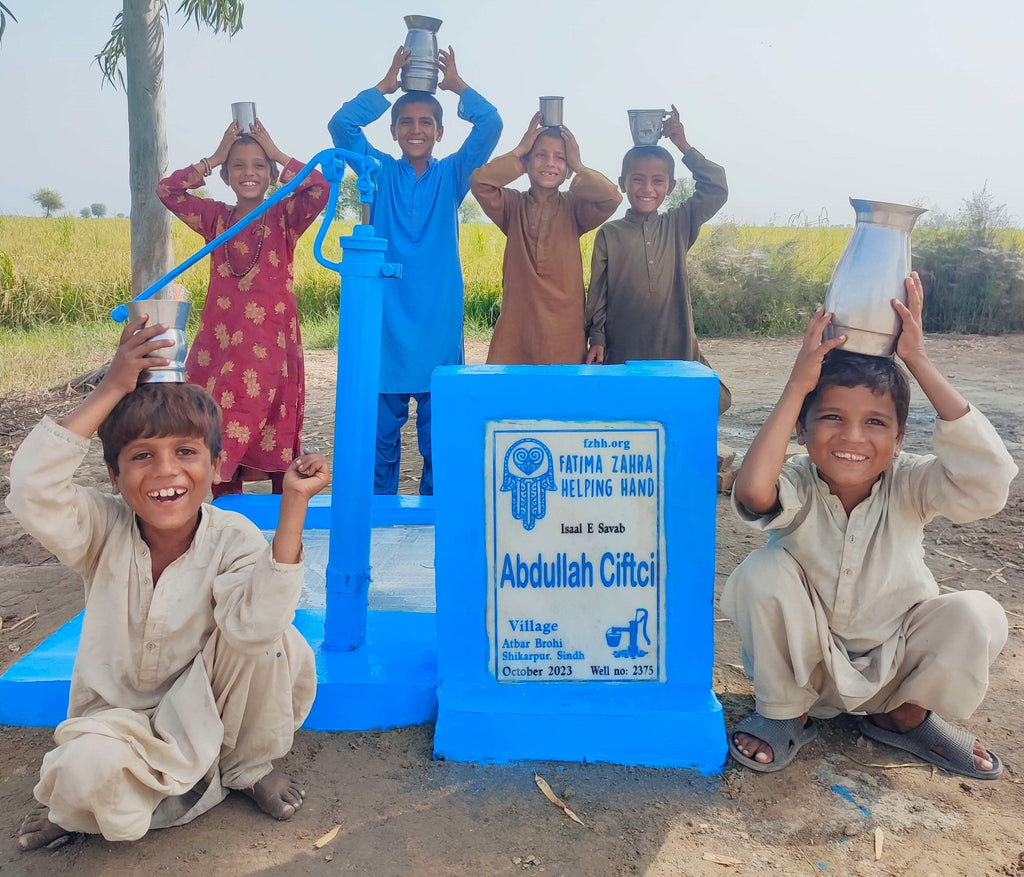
(157, 410)
(880, 374)
(248, 138)
(638, 152)
(417, 97)
(552, 131)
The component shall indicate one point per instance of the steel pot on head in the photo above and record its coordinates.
(173, 314)
(645, 126)
(244, 113)
(551, 110)
(420, 74)
(870, 273)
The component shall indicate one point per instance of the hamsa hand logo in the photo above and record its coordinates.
(529, 474)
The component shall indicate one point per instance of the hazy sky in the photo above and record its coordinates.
(805, 102)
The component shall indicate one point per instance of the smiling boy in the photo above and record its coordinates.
(189, 678)
(638, 305)
(416, 211)
(840, 613)
(541, 319)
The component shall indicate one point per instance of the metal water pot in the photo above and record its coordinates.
(869, 275)
(420, 74)
(645, 126)
(174, 314)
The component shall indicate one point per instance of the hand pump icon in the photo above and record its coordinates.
(613, 636)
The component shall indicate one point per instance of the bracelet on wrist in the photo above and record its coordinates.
(207, 167)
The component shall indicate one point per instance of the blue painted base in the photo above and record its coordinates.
(34, 692)
(619, 727)
(389, 682)
(387, 511)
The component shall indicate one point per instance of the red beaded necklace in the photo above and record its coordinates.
(261, 232)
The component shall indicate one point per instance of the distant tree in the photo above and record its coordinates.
(121, 216)
(99, 210)
(349, 206)
(49, 200)
(470, 211)
(684, 189)
(981, 215)
(84, 213)
(137, 39)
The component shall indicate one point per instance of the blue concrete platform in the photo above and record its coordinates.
(263, 508)
(388, 683)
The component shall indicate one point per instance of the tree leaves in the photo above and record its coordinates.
(221, 16)
(5, 13)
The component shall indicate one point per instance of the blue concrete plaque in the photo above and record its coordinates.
(574, 538)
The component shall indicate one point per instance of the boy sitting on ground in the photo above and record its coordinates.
(541, 319)
(840, 613)
(638, 306)
(189, 679)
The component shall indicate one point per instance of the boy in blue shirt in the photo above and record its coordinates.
(416, 210)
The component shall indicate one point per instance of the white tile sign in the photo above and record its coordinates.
(575, 550)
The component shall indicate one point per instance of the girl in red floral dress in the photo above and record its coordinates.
(248, 350)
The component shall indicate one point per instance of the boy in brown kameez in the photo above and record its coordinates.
(189, 679)
(840, 613)
(541, 319)
(638, 306)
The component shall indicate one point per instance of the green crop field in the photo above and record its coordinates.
(71, 270)
(60, 278)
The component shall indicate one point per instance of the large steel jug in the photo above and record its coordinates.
(420, 74)
(870, 274)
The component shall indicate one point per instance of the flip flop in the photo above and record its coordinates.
(933, 731)
(785, 736)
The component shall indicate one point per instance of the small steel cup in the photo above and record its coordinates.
(645, 126)
(551, 111)
(244, 113)
(174, 314)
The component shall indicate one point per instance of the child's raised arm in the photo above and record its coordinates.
(488, 181)
(594, 197)
(948, 403)
(450, 78)
(757, 484)
(306, 476)
(392, 79)
(133, 356)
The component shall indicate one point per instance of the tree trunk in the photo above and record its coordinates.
(151, 252)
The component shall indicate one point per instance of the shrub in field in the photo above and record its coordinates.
(973, 272)
(768, 283)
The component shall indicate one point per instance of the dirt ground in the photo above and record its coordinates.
(402, 813)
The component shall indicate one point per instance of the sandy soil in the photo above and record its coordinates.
(401, 813)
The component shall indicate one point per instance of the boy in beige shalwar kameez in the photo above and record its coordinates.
(840, 613)
(541, 320)
(189, 679)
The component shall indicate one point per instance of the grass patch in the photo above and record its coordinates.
(33, 360)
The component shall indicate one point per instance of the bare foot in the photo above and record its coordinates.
(757, 749)
(753, 748)
(277, 795)
(908, 716)
(36, 829)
